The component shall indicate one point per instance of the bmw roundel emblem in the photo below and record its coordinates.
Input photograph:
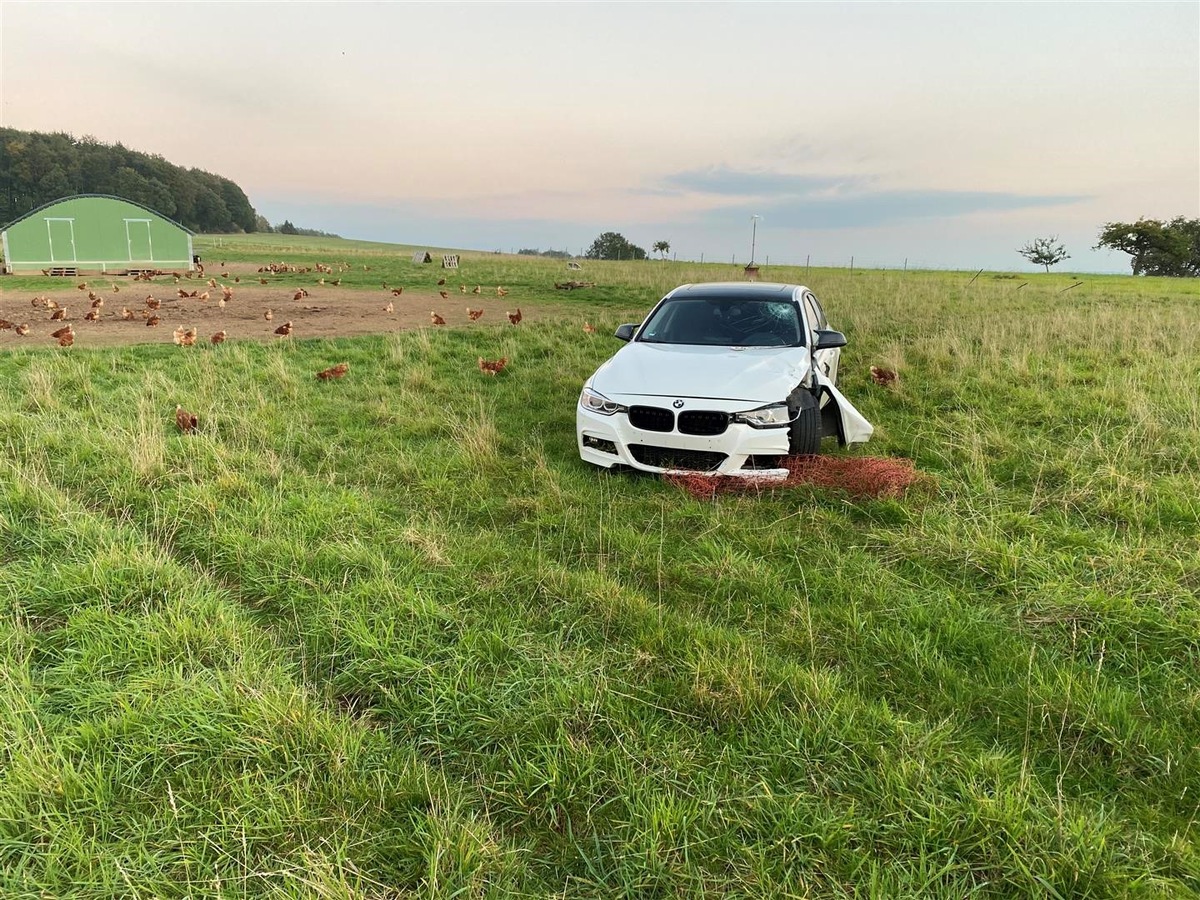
(678, 404)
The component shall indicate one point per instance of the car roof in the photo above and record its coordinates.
(741, 289)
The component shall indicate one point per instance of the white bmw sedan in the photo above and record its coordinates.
(725, 378)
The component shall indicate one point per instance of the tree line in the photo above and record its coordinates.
(1170, 249)
(38, 168)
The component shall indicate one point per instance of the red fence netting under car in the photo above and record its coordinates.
(862, 477)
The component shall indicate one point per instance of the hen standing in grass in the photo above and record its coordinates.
(883, 377)
(337, 371)
(186, 421)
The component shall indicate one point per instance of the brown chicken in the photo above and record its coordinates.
(152, 321)
(474, 314)
(444, 295)
(22, 329)
(82, 287)
(184, 337)
(515, 317)
(116, 288)
(37, 301)
(338, 371)
(92, 315)
(97, 303)
(391, 307)
(212, 282)
(52, 304)
(884, 377)
(203, 297)
(262, 281)
(462, 288)
(93, 296)
(182, 294)
(126, 313)
(589, 328)
(436, 319)
(221, 303)
(58, 315)
(66, 329)
(218, 338)
(491, 367)
(153, 302)
(5, 324)
(268, 314)
(396, 292)
(477, 290)
(441, 281)
(226, 292)
(186, 421)
(299, 295)
(285, 329)
(66, 340)
(501, 292)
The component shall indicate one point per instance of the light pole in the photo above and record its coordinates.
(753, 235)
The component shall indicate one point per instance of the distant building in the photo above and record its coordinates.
(94, 233)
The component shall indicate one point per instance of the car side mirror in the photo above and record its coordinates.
(828, 339)
(625, 332)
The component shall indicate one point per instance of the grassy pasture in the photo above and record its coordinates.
(389, 637)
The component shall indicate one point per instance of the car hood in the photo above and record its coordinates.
(753, 374)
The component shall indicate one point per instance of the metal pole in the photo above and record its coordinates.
(906, 264)
(807, 260)
(852, 265)
(753, 236)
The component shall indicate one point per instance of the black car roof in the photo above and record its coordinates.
(742, 289)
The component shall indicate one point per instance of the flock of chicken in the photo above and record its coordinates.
(186, 337)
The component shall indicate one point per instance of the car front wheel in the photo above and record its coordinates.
(805, 431)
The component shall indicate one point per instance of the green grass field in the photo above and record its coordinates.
(388, 636)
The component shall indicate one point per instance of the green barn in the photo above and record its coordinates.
(94, 233)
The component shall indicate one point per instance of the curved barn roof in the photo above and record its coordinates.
(34, 212)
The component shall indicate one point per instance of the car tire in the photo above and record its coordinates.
(804, 434)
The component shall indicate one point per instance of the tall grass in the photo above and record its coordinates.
(388, 636)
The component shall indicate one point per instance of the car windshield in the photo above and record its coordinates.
(724, 321)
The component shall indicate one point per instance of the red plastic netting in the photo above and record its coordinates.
(862, 477)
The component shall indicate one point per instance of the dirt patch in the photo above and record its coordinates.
(325, 313)
(861, 477)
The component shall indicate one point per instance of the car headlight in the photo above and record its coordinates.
(598, 403)
(777, 415)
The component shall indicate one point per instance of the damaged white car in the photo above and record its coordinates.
(724, 378)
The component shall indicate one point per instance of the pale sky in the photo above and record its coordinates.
(945, 133)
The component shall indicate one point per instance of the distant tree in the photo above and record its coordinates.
(552, 254)
(261, 224)
(611, 245)
(286, 228)
(1044, 252)
(662, 247)
(1157, 248)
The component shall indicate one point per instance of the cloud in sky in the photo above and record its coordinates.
(837, 123)
(819, 201)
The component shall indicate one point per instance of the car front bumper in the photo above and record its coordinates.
(739, 451)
